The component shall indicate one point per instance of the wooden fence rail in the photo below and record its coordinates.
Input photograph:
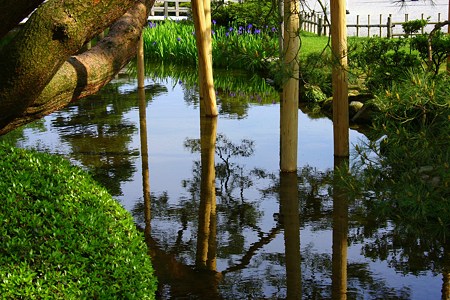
(311, 22)
(316, 23)
(170, 9)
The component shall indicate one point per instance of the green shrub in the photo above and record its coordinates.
(440, 45)
(316, 69)
(383, 61)
(414, 26)
(63, 236)
(256, 12)
(406, 173)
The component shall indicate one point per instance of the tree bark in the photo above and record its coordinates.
(80, 75)
(53, 33)
(12, 12)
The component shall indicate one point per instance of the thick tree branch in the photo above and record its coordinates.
(85, 74)
(56, 30)
(12, 12)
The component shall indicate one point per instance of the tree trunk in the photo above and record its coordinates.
(76, 77)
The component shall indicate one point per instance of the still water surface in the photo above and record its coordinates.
(222, 222)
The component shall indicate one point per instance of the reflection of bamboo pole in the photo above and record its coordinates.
(289, 215)
(203, 39)
(340, 234)
(289, 98)
(445, 285)
(339, 78)
(144, 157)
(206, 239)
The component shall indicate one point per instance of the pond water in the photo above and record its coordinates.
(222, 222)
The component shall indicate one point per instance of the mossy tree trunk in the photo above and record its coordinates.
(39, 72)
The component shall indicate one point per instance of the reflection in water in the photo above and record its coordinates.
(340, 235)
(235, 247)
(144, 158)
(206, 236)
(289, 216)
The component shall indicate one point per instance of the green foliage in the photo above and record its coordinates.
(414, 26)
(406, 173)
(383, 61)
(256, 12)
(170, 41)
(63, 236)
(249, 48)
(316, 71)
(235, 47)
(440, 47)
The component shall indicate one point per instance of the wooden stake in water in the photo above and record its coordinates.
(339, 78)
(289, 98)
(203, 39)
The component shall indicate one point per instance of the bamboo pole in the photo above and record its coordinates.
(339, 78)
(448, 32)
(203, 38)
(289, 98)
(140, 62)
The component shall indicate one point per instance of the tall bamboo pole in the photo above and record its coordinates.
(140, 62)
(289, 98)
(339, 78)
(203, 39)
(448, 32)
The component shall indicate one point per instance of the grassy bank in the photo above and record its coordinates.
(234, 47)
(63, 236)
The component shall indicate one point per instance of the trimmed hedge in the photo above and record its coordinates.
(63, 236)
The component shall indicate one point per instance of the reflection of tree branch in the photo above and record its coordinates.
(245, 260)
(183, 279)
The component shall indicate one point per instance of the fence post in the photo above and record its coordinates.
(177, 8)
(368, 25)
(423, 28)
(389, 27)
(166, 9)
(319, 27)
(381, 22)
(357, 25)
